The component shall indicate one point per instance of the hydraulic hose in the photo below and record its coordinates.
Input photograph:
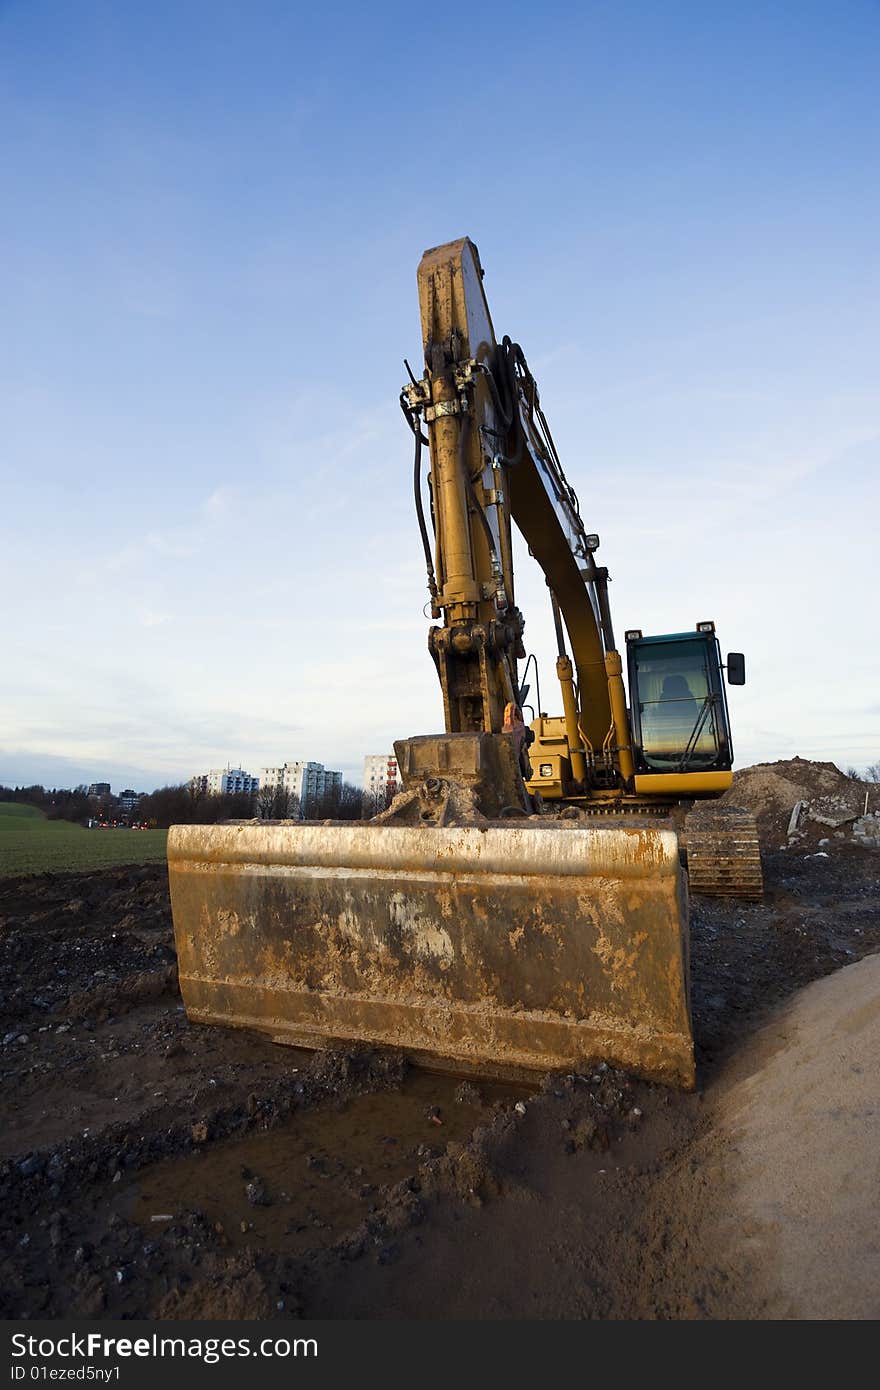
(420, 513)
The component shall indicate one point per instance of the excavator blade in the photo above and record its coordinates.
(502, 950)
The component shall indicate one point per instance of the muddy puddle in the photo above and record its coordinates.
(309, 1181)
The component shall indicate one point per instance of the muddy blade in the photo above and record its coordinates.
(503, 951)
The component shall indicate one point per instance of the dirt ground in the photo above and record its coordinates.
(151, 1168)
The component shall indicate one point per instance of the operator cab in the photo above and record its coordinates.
(678, 705)
(679, 729)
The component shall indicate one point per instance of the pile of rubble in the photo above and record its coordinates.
(808, 805)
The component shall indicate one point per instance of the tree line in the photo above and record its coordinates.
(56, 803)
(870, 774)
(185, 805)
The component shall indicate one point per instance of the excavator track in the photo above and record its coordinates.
(723, 854)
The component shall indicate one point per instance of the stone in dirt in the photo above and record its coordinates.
(256, 1193)
(866, 831)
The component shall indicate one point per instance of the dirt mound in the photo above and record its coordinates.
(830, 802)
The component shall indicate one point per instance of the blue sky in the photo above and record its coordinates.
(213, 215)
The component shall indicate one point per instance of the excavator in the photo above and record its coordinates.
(522, 905)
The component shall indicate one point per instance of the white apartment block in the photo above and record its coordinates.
(382, 781)
(225, 781)
(309, 782)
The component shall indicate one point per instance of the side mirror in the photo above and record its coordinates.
(736, 668)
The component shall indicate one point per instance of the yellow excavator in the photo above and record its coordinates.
(522, 905)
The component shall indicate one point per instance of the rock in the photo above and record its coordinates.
(794, 819)
(866, 831)
(29, 1167)
(468, 1094)
(831, 810)
(256, 1193)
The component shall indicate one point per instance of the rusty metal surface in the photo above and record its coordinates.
(502, 949)
(488, 764)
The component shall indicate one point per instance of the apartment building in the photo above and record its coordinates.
(225, 781)
(381, 782)
(311, 783)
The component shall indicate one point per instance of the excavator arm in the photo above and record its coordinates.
(493, 461)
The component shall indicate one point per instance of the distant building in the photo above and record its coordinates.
(100, 789)
(382, 782)
(311, 783)
(225, 781)
(129, 799)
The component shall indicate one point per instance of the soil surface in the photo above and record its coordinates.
(807, 1085)
(152, 1168)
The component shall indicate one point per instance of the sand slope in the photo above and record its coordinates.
(801, 1110)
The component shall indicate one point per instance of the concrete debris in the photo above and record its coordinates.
(831, 810)
(866, 830)
(795, 818)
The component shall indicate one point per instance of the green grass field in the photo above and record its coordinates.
(30, 844)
